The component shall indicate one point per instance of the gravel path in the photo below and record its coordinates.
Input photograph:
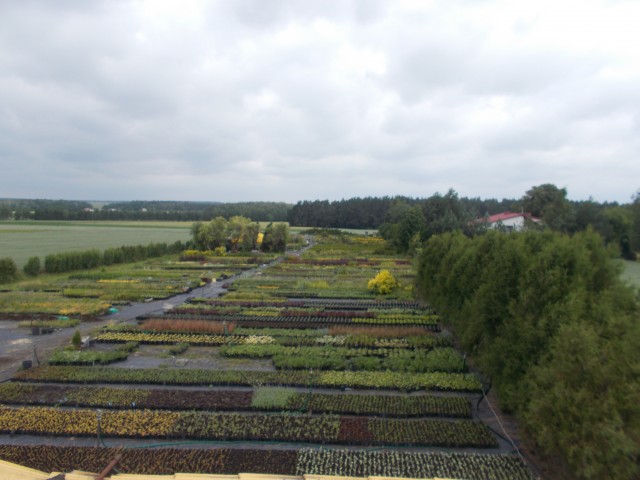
(18, 345)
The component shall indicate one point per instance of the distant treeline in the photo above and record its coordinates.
(196, 211)
(409, 223)
(360, 213)
(371, 212)
(547, 318)
(25, 209)
(18, 209)
(404, 221)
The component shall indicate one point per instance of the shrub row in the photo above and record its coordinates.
(68, 261)
(269, 321)
(330, 379)
(265, 398)
(235, 426)
(340, 358)
(550, 321)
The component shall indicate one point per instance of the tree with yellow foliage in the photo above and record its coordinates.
(383, 283)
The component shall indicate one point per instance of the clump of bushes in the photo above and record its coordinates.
(8, 270)
(32, 267)
(69, 261)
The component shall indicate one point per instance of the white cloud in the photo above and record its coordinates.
(231, 101)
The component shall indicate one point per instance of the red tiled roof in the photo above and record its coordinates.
(500, 217)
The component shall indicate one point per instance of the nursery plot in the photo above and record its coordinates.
(261, 399)
(348, 367)
(91, 293)
(235, 426)
(298, 378)
(166, 461)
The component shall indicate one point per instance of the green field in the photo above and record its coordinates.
(21, 240)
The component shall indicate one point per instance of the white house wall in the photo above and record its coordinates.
(515, 223)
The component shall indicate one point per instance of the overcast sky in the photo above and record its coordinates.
(290, 100)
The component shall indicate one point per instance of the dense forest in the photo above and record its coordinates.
(19, 209)
(547, 318)
(407, 225)
(371, 212)
(196, 211)
(23, 209)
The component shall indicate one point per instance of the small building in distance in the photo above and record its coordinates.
(509, 221)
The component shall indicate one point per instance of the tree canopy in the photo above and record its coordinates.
(546, 316)
(239, 234)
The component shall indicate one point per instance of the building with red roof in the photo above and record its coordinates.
(510, 221)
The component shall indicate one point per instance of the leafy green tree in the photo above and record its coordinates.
(210, 235)
(236, 227)
(236, 234)
(403, 224)
(619, 223)
(32, 267)
(549, 203)
(280, 237)
(250, 237)
(389, 229)
(275, 237)
(537, 199)
(267, 238)
(588, 213)
(437, 214)
(8, 270)
(584, 398)
(242, 234)
(445, 213)
(411, 223)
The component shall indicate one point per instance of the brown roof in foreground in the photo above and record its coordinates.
(12, 471)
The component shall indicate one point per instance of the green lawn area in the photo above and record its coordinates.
(631, 272)
(21, 240)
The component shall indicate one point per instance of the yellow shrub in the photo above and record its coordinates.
(383, 283)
